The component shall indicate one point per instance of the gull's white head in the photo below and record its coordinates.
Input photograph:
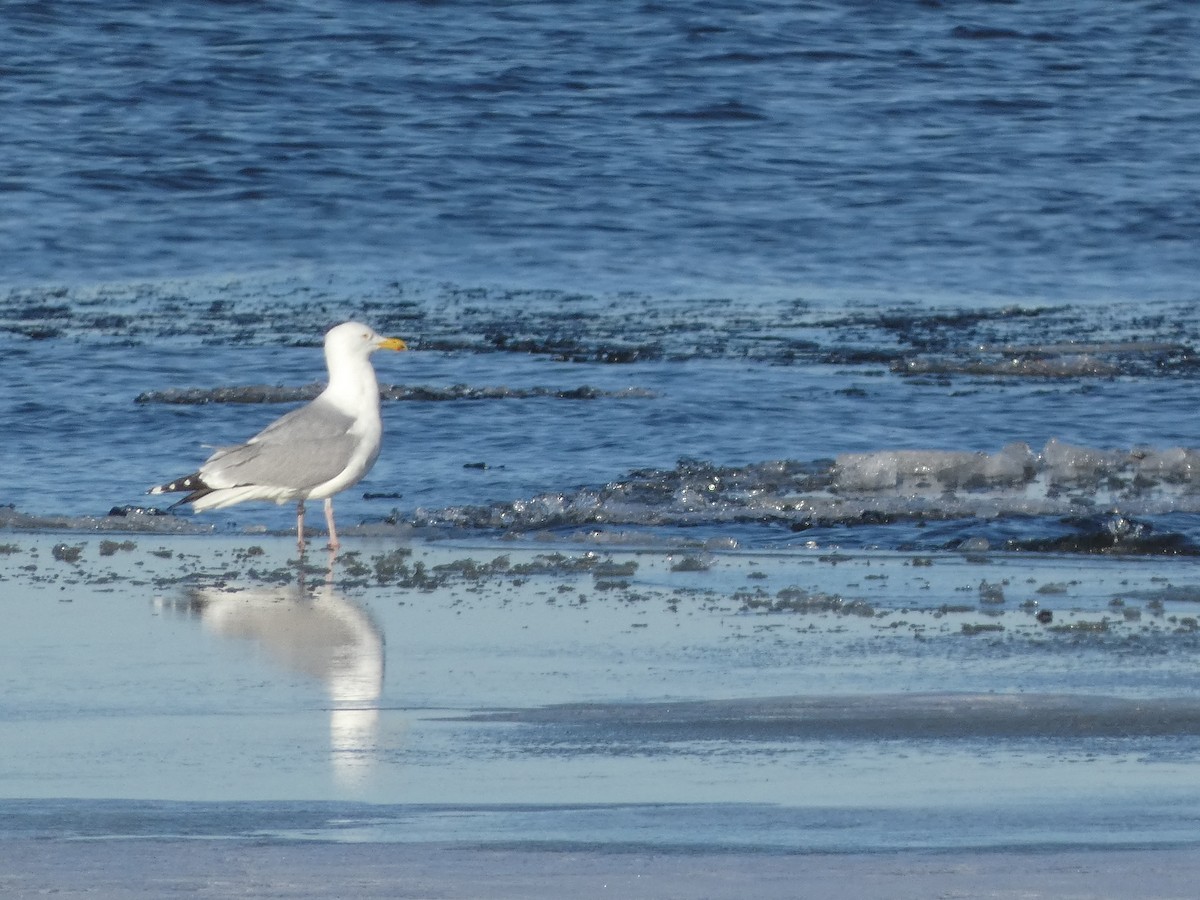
(353, 339)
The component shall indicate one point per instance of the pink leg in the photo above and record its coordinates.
(300, 525)
(333, 538)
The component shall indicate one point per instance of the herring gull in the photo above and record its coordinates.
(312, 452)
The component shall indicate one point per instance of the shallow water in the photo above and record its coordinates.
(848, 703)
(765, 422)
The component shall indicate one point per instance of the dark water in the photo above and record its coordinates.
(665, 263)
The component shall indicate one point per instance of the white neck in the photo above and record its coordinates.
(352, 385)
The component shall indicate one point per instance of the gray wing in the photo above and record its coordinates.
(301, 450)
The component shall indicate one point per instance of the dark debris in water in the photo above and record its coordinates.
(124, 511)
(573, 349)
(973, 628)
(388, 392)
(800, 600)
(1062, 341)
(397, 568)
(68, 553)
(1110, 534)
(632, 583)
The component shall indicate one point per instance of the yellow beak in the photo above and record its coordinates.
(392, 344)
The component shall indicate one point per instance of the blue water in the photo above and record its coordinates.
(1024, 151)
(771, 225)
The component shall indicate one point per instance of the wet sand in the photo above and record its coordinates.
(168, 870)
(513, 720)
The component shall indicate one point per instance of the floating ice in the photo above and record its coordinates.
(1092, 491)
(949, 469)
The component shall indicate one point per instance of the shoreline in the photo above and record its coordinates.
(557, 714)
(101, 870)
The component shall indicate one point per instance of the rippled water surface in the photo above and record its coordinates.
(979, 148)
(765, 420)
(621, 237)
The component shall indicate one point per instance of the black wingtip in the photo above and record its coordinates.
(193, 483)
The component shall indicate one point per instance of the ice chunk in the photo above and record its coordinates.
(1015, 463)
(1175, 464)
(1064, 462)
(866, 471)
(940, 469)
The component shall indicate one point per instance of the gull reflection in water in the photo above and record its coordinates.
(315, 632)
